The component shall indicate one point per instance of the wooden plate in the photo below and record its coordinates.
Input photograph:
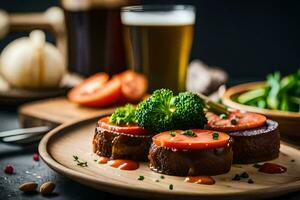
(289, 122)
(58, 147)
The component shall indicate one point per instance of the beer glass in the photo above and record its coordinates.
(158, 40)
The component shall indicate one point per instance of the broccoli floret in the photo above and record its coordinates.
(189, 111)
(163, 111)
(155, 113)
(123, 115)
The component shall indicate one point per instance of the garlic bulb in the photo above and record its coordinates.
(32, 63)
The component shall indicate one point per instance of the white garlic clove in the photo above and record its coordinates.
(32, 63)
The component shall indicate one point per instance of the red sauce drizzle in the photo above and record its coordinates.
(207, 180)
(102, 160)
(271, 168)
(124, 164)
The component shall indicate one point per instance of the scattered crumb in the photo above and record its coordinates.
(244, 175)
(236, 177)
(250, 181)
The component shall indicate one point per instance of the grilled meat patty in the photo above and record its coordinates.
(256, 145)
(121, 146)
(191, 162)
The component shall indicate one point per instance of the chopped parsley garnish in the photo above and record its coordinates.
(171, 187)
(250, 181)
(162, 177)
(215, 135)
(256, 165)
(123, 115)
(189, 133)
(157, 180)
(173, 133)
(223, 116)
(233, 121)
(236, 177)
(244, 175)
(140, 178)
(79, 162)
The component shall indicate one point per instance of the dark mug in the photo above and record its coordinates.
(94, 36)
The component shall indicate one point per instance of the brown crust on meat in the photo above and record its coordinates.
(256, 145)
(190, 162)
(121, 146)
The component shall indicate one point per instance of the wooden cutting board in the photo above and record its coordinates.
(56, 111)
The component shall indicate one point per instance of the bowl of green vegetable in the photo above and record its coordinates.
(278, 98)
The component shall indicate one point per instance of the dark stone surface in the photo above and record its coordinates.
(26, 169)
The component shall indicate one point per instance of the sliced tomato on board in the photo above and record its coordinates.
(134, 86)
(243, 121)
(203, 140)
(97, 90)
(132, 129)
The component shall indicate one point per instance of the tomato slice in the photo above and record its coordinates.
(204, 139)
(244, 121)
(132, 129)
(97, 91)
(134, 85)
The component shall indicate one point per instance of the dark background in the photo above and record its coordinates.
(249, 38)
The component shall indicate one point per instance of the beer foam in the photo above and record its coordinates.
(164, 18)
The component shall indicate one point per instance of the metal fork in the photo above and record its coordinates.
(24, 135)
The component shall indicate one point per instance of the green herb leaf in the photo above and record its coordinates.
(189, 133)
(215, 135)
(79, 162)
(171, 187)
(162, 177)
(140, 178)
(173, 133)
(233, 121)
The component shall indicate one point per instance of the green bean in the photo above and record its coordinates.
(252, 94)
(279, 94)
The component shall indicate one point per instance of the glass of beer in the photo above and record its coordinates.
(158, 40)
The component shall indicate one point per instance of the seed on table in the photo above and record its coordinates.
(47, 187)
(28, 186)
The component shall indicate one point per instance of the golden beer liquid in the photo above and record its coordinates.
(161, 52)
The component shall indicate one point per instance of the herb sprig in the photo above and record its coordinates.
(79, 162)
